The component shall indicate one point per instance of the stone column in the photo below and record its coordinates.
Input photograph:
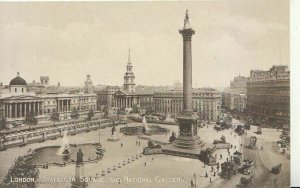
(5, 110)
(25, 108)
(187, 123)
(187, 69)
(38, 108)
(70, 105)
(22, 109)
(10, 110)
(18, 109)
(30, 107)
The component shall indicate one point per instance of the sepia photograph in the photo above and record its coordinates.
(143, 94)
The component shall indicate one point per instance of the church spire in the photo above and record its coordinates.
(129, 57)
(129, 84)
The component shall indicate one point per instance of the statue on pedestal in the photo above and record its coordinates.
(79, 172)
(79, 157)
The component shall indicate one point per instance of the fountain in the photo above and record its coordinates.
(144, 129)
(144, 121)
(65, 148)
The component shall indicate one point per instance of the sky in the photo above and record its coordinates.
(67, 41)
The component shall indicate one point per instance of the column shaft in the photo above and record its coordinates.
(10, 110)
(38, 108)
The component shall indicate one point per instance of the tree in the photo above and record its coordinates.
(74, 114)
(223, 139)
(135, 109)
(3, 123)
(90, 114)
(30, 119)
(106, 111)
(54, 117)
(22, 168)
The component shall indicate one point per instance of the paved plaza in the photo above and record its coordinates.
(149, 171)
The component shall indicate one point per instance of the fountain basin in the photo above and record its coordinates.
(140, 130)
(50, 155)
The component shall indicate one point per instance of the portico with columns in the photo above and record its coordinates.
(63, 105)
(18, 107)
(129, 100)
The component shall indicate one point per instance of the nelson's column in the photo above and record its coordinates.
(188, 142)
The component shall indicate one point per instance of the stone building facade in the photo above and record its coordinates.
(239, 84)
(19, 101)
(269, 94)
(105, 97)
(205, 101)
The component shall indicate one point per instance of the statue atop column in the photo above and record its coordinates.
(79, 157)
(186, 20)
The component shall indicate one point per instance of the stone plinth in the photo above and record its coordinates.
(79, 176)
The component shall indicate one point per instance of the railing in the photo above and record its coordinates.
(50, 133)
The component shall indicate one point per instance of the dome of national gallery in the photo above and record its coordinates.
(17, 81)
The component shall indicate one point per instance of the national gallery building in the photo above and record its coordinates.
(16, 101)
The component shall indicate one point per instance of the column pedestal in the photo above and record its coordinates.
(79, 176)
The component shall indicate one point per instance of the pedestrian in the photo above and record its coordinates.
(145, 163)
(212, 168)
(192, 183)
(210, 179)
(139, 143)
(121, 144)
(231, 145)
(220, 156)
(206, 175)
(214, 173)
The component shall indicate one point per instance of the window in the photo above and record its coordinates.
(22, 90)
(15, 89)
